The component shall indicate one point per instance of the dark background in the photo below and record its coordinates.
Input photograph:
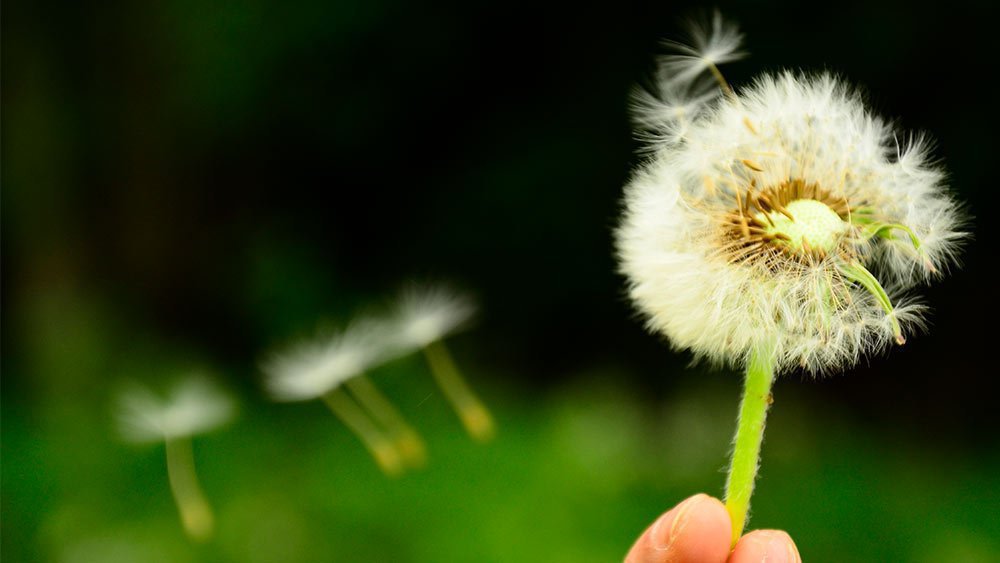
(194, 182)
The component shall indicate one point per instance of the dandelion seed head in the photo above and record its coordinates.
(193, 406)
(735, 235)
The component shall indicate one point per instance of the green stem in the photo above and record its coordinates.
(381, 448)
(749, 435)
(196, 513)
(477, 420)
(410, 446)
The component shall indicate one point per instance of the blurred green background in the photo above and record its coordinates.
(190, 183)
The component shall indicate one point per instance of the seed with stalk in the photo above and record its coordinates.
(423, 317)
(332, 368)
(776, 227)
(193, 406)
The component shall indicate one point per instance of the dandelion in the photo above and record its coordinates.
(424, 316)
(778, 227)
(193, 406)
(323, 367)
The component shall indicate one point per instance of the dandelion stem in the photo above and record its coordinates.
(749, 435)
(477, 420)
(196, 513)
(380, 447)
(408, 442)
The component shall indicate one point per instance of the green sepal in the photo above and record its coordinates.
(860, 275)
(884, 230)
(862, 216)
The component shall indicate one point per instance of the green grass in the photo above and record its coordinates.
(574, 475)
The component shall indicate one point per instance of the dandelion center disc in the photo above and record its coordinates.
(798, 219)
(809, 224)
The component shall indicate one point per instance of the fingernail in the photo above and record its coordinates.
(793, 551)
(671, 524)
(779, 548)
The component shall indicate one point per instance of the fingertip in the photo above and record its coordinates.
(698, 529)
(773, 546)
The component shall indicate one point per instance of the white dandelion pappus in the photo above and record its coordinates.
(711, 43)
(318, 368)
(663, 115)
(315, 367)
(193, 406)
(662, 118)
(424, 315)
(427, 313)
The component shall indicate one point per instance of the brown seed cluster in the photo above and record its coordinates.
(746, 228)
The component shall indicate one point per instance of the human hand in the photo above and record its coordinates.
(698, 530)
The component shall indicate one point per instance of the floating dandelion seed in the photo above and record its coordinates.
(193, 406)
(759, 229)
(424, 316)
(712, 43)
(320, 368)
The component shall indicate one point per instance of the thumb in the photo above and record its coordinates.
(773, 546)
